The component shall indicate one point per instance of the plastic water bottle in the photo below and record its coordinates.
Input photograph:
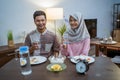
(25, 60)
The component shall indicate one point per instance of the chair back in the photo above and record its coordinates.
(116, 35)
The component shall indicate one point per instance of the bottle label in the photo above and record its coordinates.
(23, 61)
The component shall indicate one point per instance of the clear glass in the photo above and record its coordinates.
(38, 45)
(57, 59)
(25, 65)
(16, 54)
(65, 39)
(35, 39)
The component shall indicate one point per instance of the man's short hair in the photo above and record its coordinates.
(39, 13)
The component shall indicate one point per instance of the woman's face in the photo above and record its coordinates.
(73, 22)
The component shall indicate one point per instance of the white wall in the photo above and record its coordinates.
(100, 9)
(16, 15)
(117, 1)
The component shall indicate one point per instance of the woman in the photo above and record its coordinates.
(76, 37)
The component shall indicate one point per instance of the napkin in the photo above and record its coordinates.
(116, 59)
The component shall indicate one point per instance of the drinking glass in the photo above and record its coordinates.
(65, 40)
(37, 45)
(16, 54)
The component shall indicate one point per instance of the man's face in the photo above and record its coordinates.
(40, 22)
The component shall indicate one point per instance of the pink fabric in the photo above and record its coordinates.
(77, 48)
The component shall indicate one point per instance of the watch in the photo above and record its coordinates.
(82, 66)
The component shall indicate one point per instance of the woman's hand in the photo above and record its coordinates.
(65, 42)
(64, 46)
(56, 54)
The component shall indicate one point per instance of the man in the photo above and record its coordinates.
(48, 43)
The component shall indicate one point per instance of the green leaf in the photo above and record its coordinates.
(61, 29)
(10, 35)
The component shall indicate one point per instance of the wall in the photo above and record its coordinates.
(100, 9)
(16, 15)
(117, 1)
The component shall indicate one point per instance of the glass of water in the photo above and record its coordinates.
(37, 45)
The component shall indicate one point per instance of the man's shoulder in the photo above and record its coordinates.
(32, 32)
(50, 32)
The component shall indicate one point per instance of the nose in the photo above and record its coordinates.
(40, 22)
(71, 22)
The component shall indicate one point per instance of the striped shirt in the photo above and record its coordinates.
(48, 42)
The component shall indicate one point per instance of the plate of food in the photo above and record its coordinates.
(37, 59)
(82, 57)
(56, 67)
(108, 42)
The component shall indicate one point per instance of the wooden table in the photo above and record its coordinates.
(7, 53)
(101, 69)
(105, 46)
(6, 49)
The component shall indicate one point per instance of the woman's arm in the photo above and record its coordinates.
(86, 46)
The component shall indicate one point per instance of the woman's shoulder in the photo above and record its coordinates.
(84, 40)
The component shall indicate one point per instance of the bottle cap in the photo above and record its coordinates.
(23, 49)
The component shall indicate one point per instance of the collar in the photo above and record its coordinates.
(42, 33)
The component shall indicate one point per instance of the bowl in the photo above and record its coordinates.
(59, 59)
(56, 67)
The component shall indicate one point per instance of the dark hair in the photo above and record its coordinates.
(38, 13)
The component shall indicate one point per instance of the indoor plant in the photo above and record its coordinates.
(10, 39)
(61, 31)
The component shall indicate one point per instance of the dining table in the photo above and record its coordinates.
(99, 45)
(101, 69)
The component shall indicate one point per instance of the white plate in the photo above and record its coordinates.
(37, 60)
(116, 59)
(82, 57)
(113, 42)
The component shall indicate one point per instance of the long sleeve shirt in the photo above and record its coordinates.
(48, 42)
(77, 48)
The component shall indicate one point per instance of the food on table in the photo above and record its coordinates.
(88, 59)
(33, 60)
(59, 59)
(56, 67)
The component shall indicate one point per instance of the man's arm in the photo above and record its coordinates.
(28, 43)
